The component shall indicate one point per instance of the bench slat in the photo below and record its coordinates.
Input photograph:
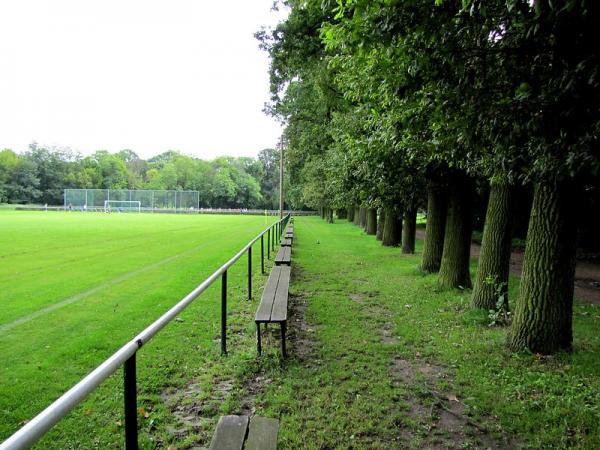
(279, 312)
(230, 433)
(262, 434)
(284, 256)
(286, 242)
(266, 302)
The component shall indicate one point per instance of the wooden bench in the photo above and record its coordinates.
(273, 304)
(242, 432)
(284, 256)
(286, 242)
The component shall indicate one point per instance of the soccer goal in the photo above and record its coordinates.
(97, 200)
(122, 206)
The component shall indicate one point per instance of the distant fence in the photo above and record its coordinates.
(250, 212)
(125, 356)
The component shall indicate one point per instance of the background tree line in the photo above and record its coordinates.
(40, 175)
(476, 111)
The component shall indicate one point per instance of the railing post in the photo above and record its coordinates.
(130, 398)
(224, 313)
(273, 239)
(250, 273)
(262, 254)
(269, 243)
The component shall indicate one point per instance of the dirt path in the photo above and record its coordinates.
(587, 273)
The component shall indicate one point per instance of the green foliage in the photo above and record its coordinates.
(500, 315)
(41, 174)
(376, 94)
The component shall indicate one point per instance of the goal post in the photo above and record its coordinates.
(122, 206)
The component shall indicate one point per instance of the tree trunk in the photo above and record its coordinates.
(454, 269)
(543, 315)
(380, 221)
(372, 221)
(437, 206)
(329, 215)
(341, 213)
(350, 214)
(356, 216)
(409, 230)
(322, 212)
(363, 218)
(391, 228)
(491, 281)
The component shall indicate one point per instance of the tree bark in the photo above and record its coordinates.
(322, 212)
(491, 281)
(437, 206)
(380, 222)
(350, 214)
(363, 218)
(454, 269)
(356, 216)
(409, 230)
(391, 228)
(543, 316)
(372, 221)
(329, 215)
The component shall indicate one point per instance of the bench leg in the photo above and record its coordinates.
(258, 346)
(283, 329)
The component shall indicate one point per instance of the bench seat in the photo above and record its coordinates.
(284, 256)
(244, 433)
(286, 242)
(273, 303)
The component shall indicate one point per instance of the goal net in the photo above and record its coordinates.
(131, 199)
(122, 206)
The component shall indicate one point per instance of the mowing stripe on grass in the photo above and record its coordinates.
(74, 298)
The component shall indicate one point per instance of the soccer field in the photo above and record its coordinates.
(74, 287)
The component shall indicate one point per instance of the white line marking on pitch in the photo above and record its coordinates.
(84, 294)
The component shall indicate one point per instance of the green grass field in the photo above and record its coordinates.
(379, 353)
(75, 287)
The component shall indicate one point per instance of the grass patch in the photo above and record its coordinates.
(343, 395)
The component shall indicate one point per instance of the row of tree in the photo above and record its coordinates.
(41, 174)
(392, 105)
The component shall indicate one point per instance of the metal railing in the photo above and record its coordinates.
(125, 356)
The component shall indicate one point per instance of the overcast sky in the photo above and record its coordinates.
(149, 75)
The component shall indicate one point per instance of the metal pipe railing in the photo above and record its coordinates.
(125, 356)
